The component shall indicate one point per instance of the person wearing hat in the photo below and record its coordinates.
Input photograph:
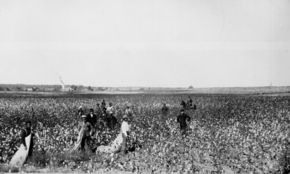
(125, 128)
(182, 119)
(84, 137)
(80, 111)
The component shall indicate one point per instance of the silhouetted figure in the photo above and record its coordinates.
(86, 137)
(182, 119)
(183, 104)
(103, 104)
(164, 109)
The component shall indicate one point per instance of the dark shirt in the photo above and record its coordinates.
(181, 119)
(111, 121)
(87, 130)
(183, 104)
(103, 103)
(164, 109)
(92, 119)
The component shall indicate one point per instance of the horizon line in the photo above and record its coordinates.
(172, 87)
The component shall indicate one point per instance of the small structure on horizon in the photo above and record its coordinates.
(65, 88)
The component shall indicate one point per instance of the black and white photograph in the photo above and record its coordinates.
(145, 86)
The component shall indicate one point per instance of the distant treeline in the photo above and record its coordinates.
(77, 88)
(88, 89)
(23, 87)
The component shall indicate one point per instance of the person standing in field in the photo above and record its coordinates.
(119, 144)
(84, 137)
(129, 112)
(183, 104)
(26, 131)
(25, 151)
(110, 109)
(92, 118)
(183, 119)
(111, 119)
(103, 104)
(80, 111)
(125, 129)
(189, 102)
(87, 131)
(164, 109)
(100, 118)
(98, 110)
(164, 112)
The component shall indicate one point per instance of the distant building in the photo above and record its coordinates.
(65, 88)
(29, 89)
(32, 89)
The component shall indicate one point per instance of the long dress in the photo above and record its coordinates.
(120, 140)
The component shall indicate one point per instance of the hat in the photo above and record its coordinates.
(125, 116)
(181, 110)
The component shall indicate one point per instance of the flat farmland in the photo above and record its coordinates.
(228, 133)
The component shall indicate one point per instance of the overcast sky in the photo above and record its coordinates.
(173, 43)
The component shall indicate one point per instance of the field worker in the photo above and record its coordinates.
(84, 136)
(26, 131)
(119, 144)
(182, 119)
(80, 111)
(25, 150)
(183, 104)
(164, 109)
(99, 110)
(125, 129)
(92, 117)
(111, 119)
(118, 112)
(164, 112)
(87, 128)
(110, 109)
(189, 102)
(100, 119)
(103, 104)
(129, 112)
